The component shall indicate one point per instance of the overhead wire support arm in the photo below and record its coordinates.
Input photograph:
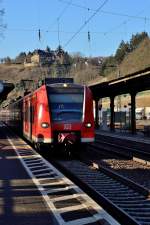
(86, 22)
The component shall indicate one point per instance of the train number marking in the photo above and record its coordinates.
(67, 126)
(61, 106)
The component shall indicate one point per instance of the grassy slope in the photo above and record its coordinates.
(14, 73)
(137, 60)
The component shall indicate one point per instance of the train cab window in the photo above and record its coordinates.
(66, 106)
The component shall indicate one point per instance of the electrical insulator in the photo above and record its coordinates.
(89, 37)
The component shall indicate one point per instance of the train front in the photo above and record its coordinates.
(71, 113)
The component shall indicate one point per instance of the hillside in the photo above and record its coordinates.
(137, 60)
(16, 72)
(83, 70)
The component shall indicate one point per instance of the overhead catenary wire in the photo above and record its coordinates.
(89, 36)
(145, 19)
(39, 22)
(56, 31)
(121, 24)
(58, 19)
(86, 22)
(106, 12)
(61, 13)
(69, 3)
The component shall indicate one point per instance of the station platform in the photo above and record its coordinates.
(20, 201)
(33, 192)
(136, 144)
(124, 135)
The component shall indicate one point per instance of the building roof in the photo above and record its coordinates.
(135, 82)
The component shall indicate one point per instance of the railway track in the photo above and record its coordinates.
(128, 148)
(129, 205)
(125, 203)
(121, 158)
(69, 204)
(134, 168)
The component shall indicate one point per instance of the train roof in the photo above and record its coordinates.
(57, 80)
(64, 85)
(61, 82)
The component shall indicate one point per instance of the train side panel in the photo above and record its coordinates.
(58, 114)
(37, 124)
(43, 121)
(26, 117)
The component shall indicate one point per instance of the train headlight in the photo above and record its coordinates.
(88, 125)
(44, 125)
(65, 85)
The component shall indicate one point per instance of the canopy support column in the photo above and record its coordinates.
(112, 114)
(133, 117)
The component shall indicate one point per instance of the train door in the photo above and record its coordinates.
(26, 122)
(30, 120)
(33, 117)
(27, 126)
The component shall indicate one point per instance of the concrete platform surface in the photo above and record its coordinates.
(33, 192)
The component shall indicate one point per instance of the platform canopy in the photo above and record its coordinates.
(135, 82)
(130, 84)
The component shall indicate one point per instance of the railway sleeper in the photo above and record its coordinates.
(135, 209)
(110, 188)
(122, 197)
(129, 193)
(142, 213)
(132, 205)
(142, 219)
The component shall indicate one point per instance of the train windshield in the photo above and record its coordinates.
(66, 106)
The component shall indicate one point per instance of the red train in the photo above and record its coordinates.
(58, 112)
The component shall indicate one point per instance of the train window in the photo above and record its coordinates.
(66, 106)
(66, 98)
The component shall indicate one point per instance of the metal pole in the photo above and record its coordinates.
(96, 114)
(112, 116)
(133, 118)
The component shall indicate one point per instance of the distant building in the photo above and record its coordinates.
(41, 57)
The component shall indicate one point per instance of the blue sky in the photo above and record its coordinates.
(116, 21)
